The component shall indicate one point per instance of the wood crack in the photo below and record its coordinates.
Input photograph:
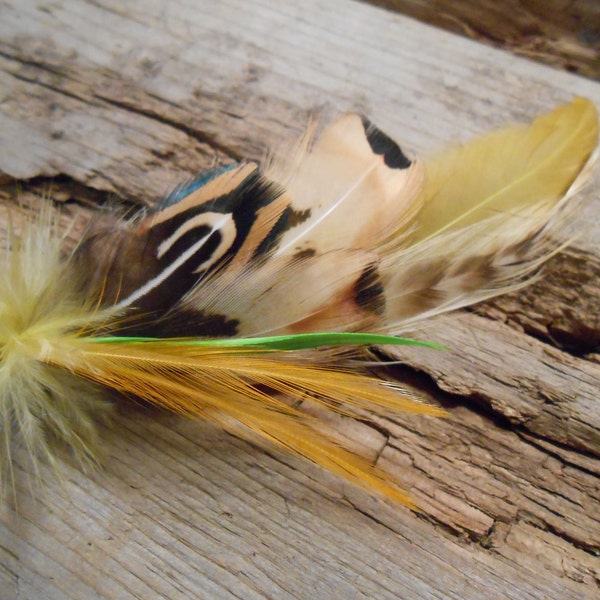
(202, 137)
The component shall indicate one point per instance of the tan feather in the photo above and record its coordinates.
(346, 193)
(307, 286)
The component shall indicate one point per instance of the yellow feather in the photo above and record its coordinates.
(52, 379)
(40, 301)
(511, 172)
(488, 210)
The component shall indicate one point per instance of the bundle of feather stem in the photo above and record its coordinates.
(250, 288)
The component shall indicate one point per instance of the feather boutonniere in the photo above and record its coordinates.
(251, 288)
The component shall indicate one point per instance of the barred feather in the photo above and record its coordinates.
(343, 234)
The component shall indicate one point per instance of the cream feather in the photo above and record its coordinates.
(350, 197)
(307, 287)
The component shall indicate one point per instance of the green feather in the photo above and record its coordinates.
(301, 341)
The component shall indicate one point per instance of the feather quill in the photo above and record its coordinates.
(343, 234)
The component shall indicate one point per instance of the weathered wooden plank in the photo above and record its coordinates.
(127, 99)
(549, 31)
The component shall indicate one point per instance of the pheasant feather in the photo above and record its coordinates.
(248, 290)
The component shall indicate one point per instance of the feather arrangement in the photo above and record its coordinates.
(251, 288)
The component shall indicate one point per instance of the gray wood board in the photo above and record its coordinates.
(131, 98)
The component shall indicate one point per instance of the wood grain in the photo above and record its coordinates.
(110, 101)
(554, 32)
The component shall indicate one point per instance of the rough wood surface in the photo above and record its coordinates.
(119, 101)
(555, 32)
